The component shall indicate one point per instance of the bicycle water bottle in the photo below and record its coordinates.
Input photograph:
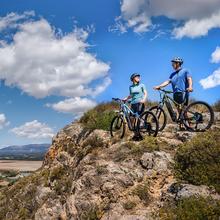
(170, 110)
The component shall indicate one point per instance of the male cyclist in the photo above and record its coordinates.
(181, 82)
(138, 96)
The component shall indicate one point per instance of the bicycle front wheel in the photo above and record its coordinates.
(117, 128)
(161, 116)
(198, 116)
(148, 124)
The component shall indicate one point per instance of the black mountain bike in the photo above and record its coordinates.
(144, 124)
(197, 116)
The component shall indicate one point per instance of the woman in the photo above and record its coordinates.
(138, 96)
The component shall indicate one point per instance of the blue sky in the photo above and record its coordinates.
(60, 58)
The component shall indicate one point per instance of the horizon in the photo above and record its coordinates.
(61, 59)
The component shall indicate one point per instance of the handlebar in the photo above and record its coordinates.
(119, 100)
(169, 92)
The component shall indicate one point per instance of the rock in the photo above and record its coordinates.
(187, 190)
(42, 193)
(89, 173)
(158, 161)
(147, 160)
(124, 217)
(51, 210)
(185, 135)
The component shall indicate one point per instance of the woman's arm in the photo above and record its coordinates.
(145, 96)
(127, 98)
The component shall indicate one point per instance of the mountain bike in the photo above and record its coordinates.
(197, 116)
(144, 124)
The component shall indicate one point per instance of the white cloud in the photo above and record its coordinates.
(138, 15)
(3, 121)
(211, 81)
(76, 106)
(214, 79)
(11, 20)
(216, 56)
(41, 63)
(33, 129)
(197, 27)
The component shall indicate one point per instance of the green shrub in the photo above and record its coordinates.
(9, 173)
(99, 117)
(101, 170)
(198, 161)
(136, 150)
(216, 106)
(191, 208)
(93, 213)
(142, 191)
(129, 205)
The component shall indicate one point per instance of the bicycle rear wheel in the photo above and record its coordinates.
(198, 116)
(161, 116)
(117, 128)
(148, 124)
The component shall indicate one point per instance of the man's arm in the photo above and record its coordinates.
(190, 83)
(167, 82)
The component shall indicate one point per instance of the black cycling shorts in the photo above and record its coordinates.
(180, 98)
(138, 108)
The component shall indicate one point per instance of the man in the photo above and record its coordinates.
(138, 96)
(181, 82)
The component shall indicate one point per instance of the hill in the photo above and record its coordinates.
(26, 152)
(88, 175)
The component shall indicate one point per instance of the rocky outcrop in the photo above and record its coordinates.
(88, 175)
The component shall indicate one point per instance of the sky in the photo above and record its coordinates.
(59, 59)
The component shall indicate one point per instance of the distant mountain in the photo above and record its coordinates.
(30, 151)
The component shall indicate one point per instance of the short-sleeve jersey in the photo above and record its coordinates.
(179, 80)
(137, 92)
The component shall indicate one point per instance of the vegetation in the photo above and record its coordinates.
(142, 191)
(216, 106)
(99, 117)
(136, 150)
(128, 205)
(93, 213)
(198, 160)
(101, 170)
(191, 208)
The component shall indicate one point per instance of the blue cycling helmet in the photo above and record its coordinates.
(177, 60)
(134, 75)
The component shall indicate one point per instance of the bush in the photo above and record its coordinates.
(142, 191)
(191, 208)
(216, 106)
(128, 205)
(198, 161)
(99, 117)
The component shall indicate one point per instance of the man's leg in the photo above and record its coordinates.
(178, 98)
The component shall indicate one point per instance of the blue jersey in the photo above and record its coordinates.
(137, 92)
(179, 80)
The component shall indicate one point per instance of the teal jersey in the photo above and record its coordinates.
(137, 92)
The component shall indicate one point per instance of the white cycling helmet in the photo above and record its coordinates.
(177, 60)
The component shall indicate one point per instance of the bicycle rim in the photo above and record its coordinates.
(161, 116)
(117, 128)
(148, 124)
(198, 116)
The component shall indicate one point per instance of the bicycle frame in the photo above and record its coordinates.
(166, 100)
(125, 111)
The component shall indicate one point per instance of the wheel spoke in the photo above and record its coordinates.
(200, 115)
